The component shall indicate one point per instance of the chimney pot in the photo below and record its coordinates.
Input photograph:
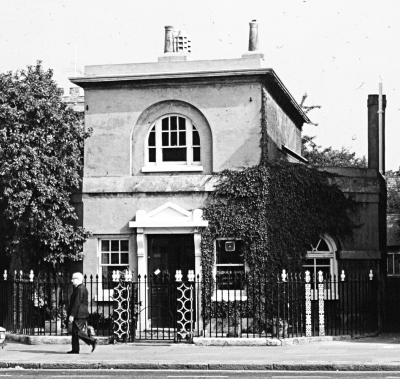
(253, 36)
(169, 39)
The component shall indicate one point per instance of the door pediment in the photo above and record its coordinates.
(169, 215)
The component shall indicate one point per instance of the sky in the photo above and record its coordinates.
(335, 51)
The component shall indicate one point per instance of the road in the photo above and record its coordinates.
(148, 374)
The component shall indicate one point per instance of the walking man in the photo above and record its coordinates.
(78, 314)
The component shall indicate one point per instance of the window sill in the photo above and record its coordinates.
(328, 295)
(104, 295)
(172, 168)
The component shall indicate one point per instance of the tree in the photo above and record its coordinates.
(393, 191)
(41, 145)
(328, 156)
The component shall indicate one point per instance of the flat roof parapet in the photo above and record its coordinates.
(174, 66)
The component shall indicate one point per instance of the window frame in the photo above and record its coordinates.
(329, 294)
(393, 255)
(105, 294)
(164, 166)
(227, 295)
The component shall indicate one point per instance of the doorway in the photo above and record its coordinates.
(166, 254)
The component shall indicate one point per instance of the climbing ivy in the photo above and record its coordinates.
(276, 208)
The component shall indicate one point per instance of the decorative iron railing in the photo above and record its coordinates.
(182, 306)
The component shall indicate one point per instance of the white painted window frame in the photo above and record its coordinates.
(227, 295)
(159, 165)
(106, 294)
(330, 294)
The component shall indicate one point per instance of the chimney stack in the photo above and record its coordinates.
(169, 39)
(177, 45)
(253, 51)
(253, 36)
(376, 145)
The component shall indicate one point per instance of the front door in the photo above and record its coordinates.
(166, 254)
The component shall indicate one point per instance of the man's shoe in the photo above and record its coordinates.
(72, 352)
(94, 344)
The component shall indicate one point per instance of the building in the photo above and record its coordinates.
(159, 131)
(74, 99)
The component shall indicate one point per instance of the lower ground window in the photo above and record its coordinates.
(114, 256)
(393, 264)
(229, 265)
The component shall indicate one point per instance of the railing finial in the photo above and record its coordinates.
(178, 275)
(128, 275)
(115, 275)
(371, 275)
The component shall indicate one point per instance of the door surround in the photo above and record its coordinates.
(169, 218)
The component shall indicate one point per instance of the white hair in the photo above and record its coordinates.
(79, 276)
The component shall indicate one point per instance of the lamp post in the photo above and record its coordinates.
(2, 337)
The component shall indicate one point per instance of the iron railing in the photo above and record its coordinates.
(289, 306)
(225, 305)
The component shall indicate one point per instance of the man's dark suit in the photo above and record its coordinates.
(78, 308)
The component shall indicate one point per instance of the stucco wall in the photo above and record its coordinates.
(232, 110)
(281, 129)
(108, 216)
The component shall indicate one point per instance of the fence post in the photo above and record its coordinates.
(308, 303)
(321, 299)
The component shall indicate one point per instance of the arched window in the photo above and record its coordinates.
(173, 144)
(321, 257)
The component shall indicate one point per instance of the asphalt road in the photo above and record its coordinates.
(148, 374)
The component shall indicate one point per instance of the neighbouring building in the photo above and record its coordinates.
(74, 99)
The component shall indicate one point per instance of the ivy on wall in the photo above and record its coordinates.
(277, 208)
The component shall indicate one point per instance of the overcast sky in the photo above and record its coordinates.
(335, 51)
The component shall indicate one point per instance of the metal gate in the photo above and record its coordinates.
(155, 308)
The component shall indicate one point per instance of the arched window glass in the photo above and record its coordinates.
(321, 257)
(173, 141)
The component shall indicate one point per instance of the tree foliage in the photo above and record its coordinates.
(319, 156)
(393, 191)
(41, 144)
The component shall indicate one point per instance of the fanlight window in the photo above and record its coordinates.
(320, 258)
(174, 140)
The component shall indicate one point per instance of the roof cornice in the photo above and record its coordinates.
(87, 81)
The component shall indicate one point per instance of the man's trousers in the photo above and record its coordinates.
(78, 333)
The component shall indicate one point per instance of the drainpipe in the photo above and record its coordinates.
(381, 133)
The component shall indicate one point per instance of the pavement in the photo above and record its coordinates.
(380, 353)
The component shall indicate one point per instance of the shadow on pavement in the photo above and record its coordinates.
(384, 338)
(46, 352)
